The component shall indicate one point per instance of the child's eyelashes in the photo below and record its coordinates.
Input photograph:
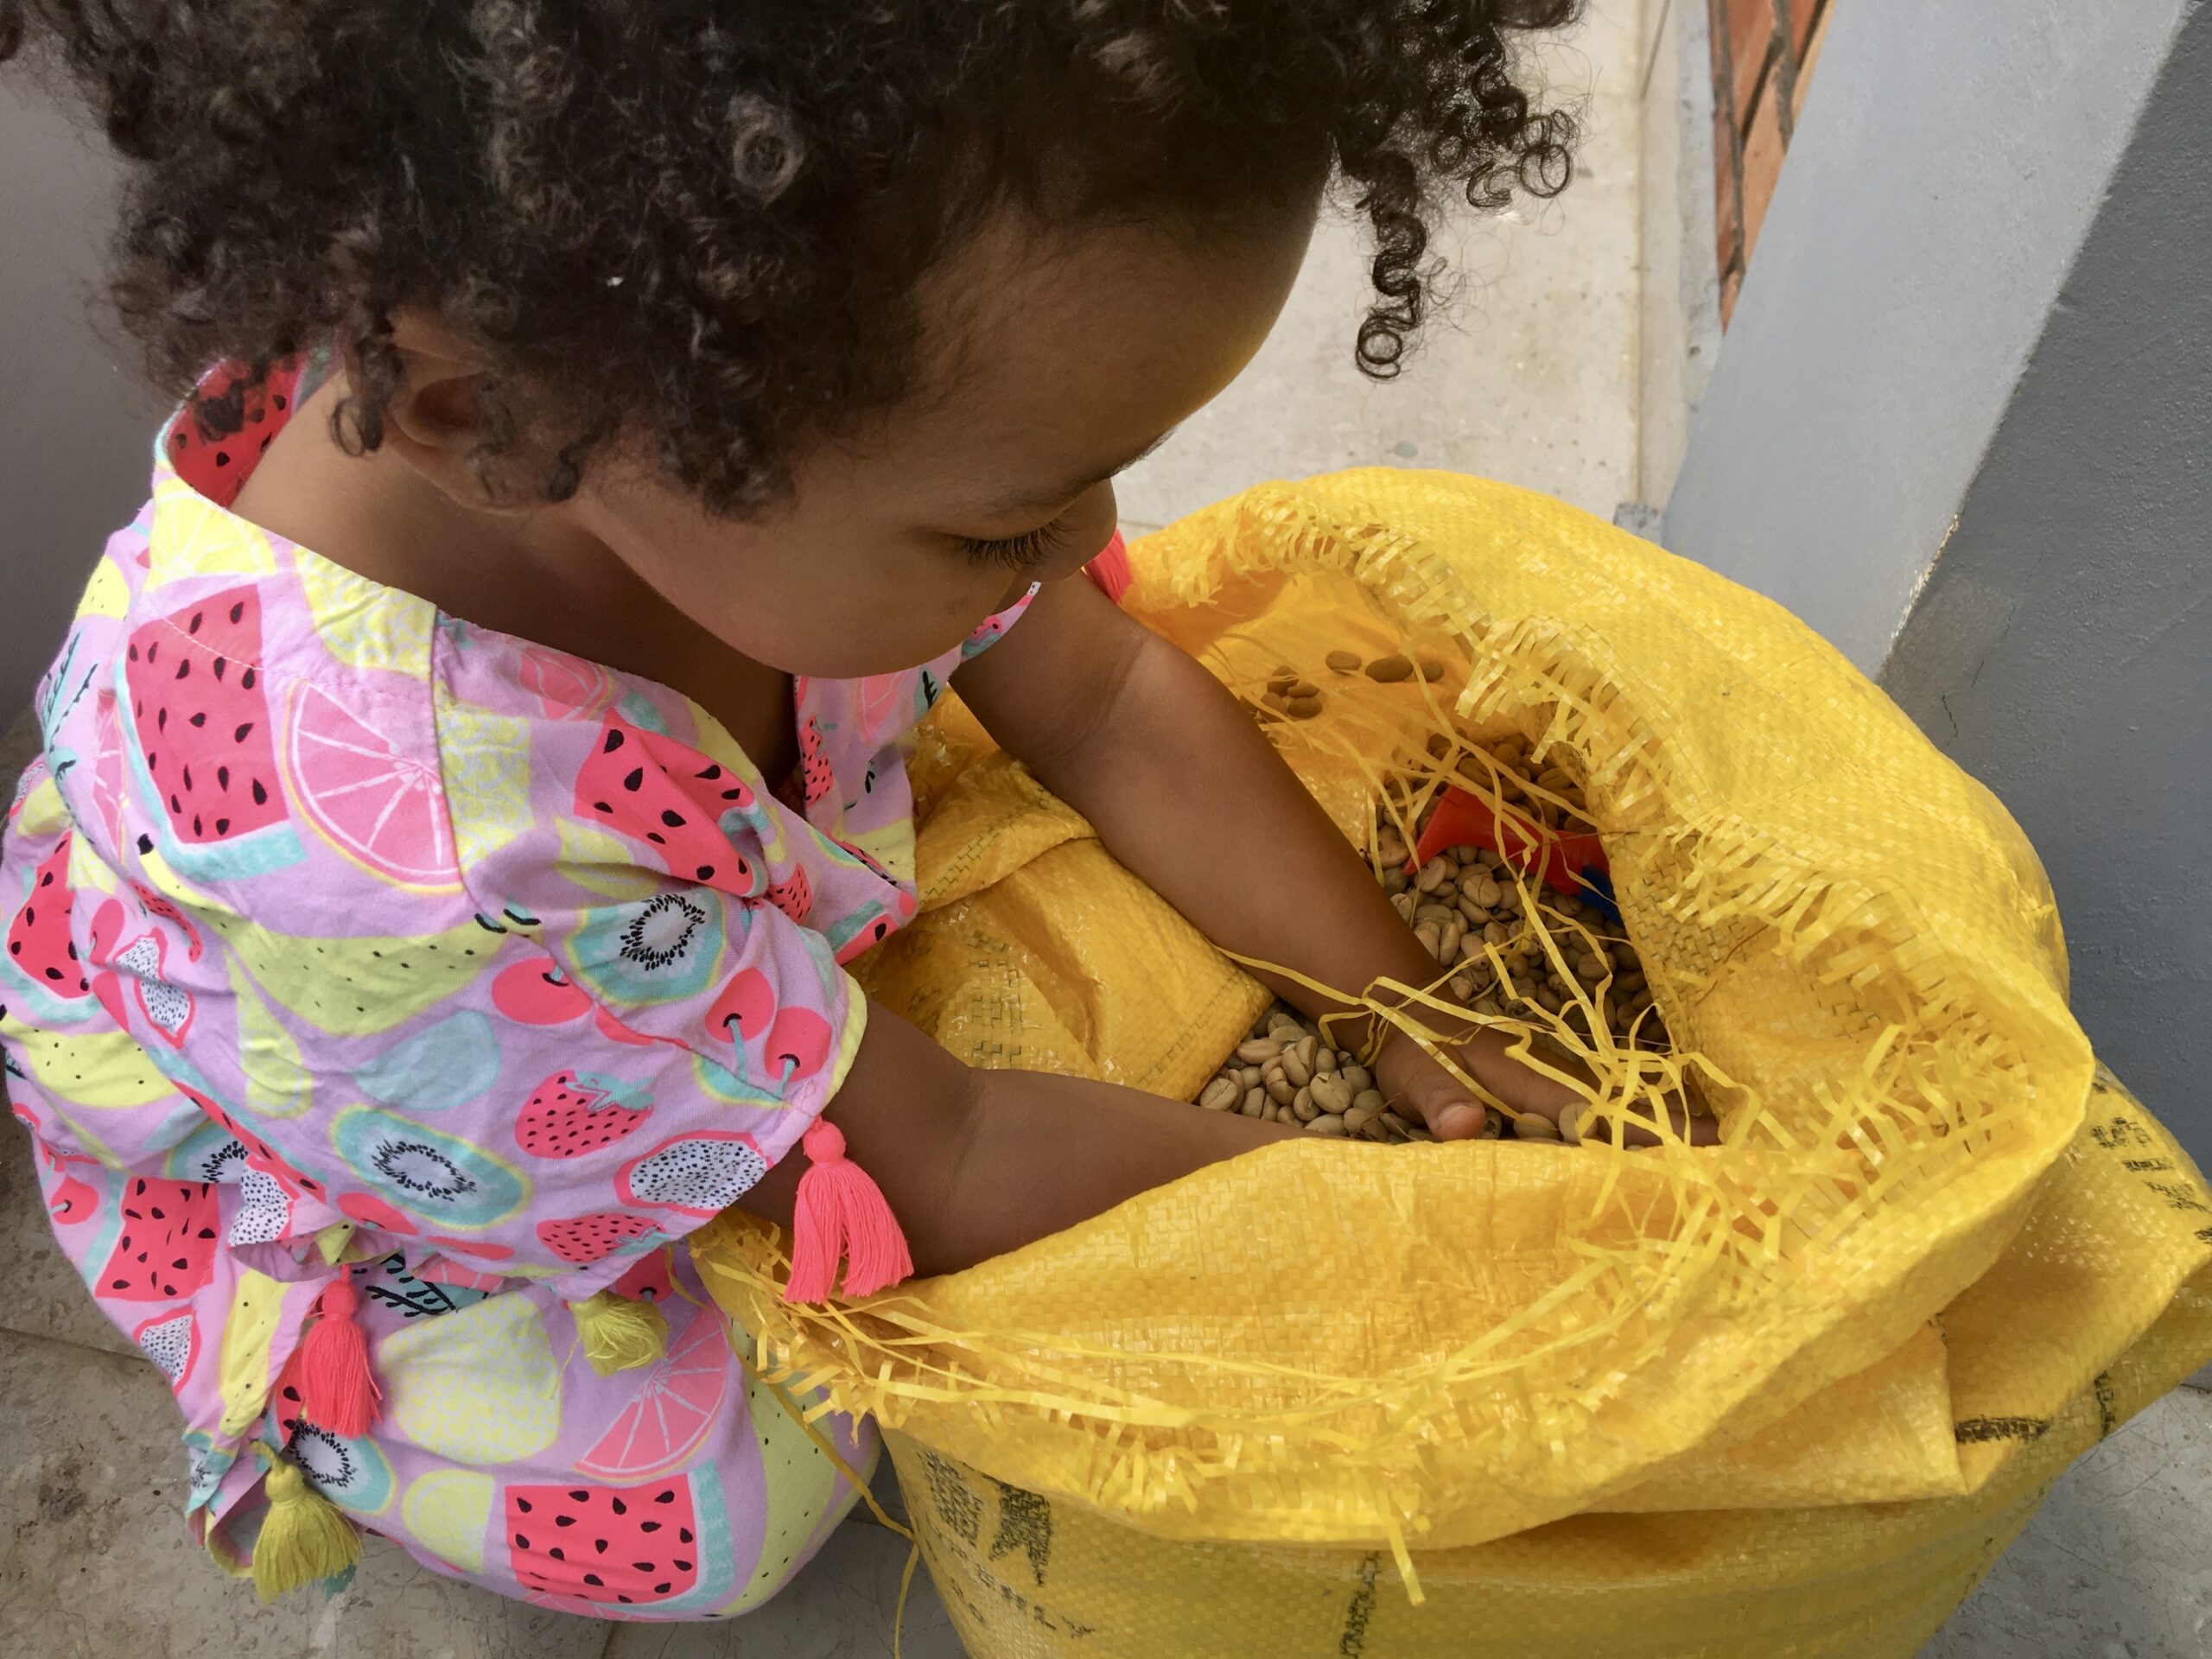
(1015, 552)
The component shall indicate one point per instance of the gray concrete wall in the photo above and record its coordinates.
(75, 430)
(1942, 175)
(1679, 336)
(1979, 326)
(2062, 650)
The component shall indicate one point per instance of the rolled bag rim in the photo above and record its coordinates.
(1321, 526)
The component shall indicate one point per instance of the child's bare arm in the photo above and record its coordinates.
(976, 1163)
(1188, 793)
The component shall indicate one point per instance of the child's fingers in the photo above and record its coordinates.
(1420, 1087)
(1434, 1096)
(1458, 1120)
(1642, 1131)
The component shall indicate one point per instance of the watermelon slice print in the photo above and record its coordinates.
(794, 896)
(40, 947)
(382, 807)
(652, 789)
(201, 742)
(167, 1247)
(582, 1240)
(593, 1549)
(676, 1404)
(815, 779)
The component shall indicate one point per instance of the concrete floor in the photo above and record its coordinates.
(1534, 380)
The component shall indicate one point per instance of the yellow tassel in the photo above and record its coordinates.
(304, 1540)
(619, 1334)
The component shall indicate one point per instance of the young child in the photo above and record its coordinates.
(466, 778)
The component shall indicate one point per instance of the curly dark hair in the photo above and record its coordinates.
(699, 223)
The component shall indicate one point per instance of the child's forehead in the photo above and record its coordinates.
(1066, 355)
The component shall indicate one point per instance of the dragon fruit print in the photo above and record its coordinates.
(264, 1213)
(204, 747)
(259, 1154)
(699, 1174)
(166, 1008)
(172, 1342)
(263, 1200)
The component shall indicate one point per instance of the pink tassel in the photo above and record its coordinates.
(841, 1212)
(1109, 571)
(337, 1389)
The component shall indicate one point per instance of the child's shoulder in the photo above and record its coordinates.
(249, 712)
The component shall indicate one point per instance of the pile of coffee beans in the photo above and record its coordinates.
(1568, 965)
(1290, 695)
(1287, 1071)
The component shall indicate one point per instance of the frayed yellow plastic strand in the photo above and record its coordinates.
(905, 1587)
(822, 1444)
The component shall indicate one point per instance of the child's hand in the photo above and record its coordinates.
(1190, 795)
(1417, 1084)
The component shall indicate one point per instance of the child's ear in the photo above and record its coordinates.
(436, 419)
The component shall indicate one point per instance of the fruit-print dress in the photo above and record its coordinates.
(349, 944)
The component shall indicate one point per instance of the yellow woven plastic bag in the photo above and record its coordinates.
(1324, 1369)
(1027, 1576)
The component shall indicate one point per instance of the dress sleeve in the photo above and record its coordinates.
(987, 632)
(687, 1029)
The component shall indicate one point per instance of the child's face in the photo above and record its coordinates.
(1057, 363)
